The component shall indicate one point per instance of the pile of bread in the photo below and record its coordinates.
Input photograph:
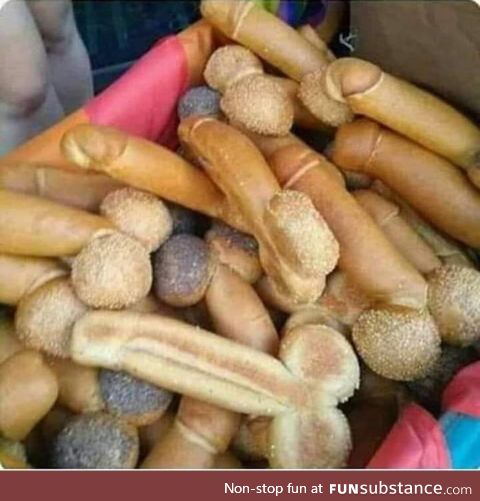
(218, 306)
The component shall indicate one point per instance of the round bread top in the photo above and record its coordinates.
(137, 401)
(140, 215)
(201, 100)
(183, 268)
(112, 271)
(229, 64)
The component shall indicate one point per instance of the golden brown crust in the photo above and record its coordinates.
(20, 275)
(78, 386)
(237, 312)
(343, 301)
(198, 40)
(153, 433)
(9, 343)
(314, 95)
(201, 135)
(370, 262)
(251, 441)
(176, 450)
(265, 34)
(348, 76)
(294, 219)
(446, 249)
(146, 166)
(407, 109)
(399, 343)
(278, 219)
(323, 359)
(33, 226)
(260, 103)
(28, 389)
(236, 250)
(315, 315)
(274, 298)
(301, 115)
(199, 433)
(151, 304)
(422, 178)
(213, 425)
(398, 231)
(201, 430)
(83, 191)
(309, 33)
(270, 145)
(453, 299)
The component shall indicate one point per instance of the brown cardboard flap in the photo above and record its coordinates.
(435, 44)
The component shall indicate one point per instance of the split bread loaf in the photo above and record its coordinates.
(300, 395)
(202, 431)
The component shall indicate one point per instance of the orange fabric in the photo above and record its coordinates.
(44, 149)
(114, 106)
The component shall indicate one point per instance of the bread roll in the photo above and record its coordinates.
(28, 389)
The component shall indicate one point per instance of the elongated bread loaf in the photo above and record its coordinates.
(402, 107)
(399, 232)
(33, 226)
(266, 35)
(369, 260)
(296, 246)
(20, 275)
(146, 166)
(432, 185)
